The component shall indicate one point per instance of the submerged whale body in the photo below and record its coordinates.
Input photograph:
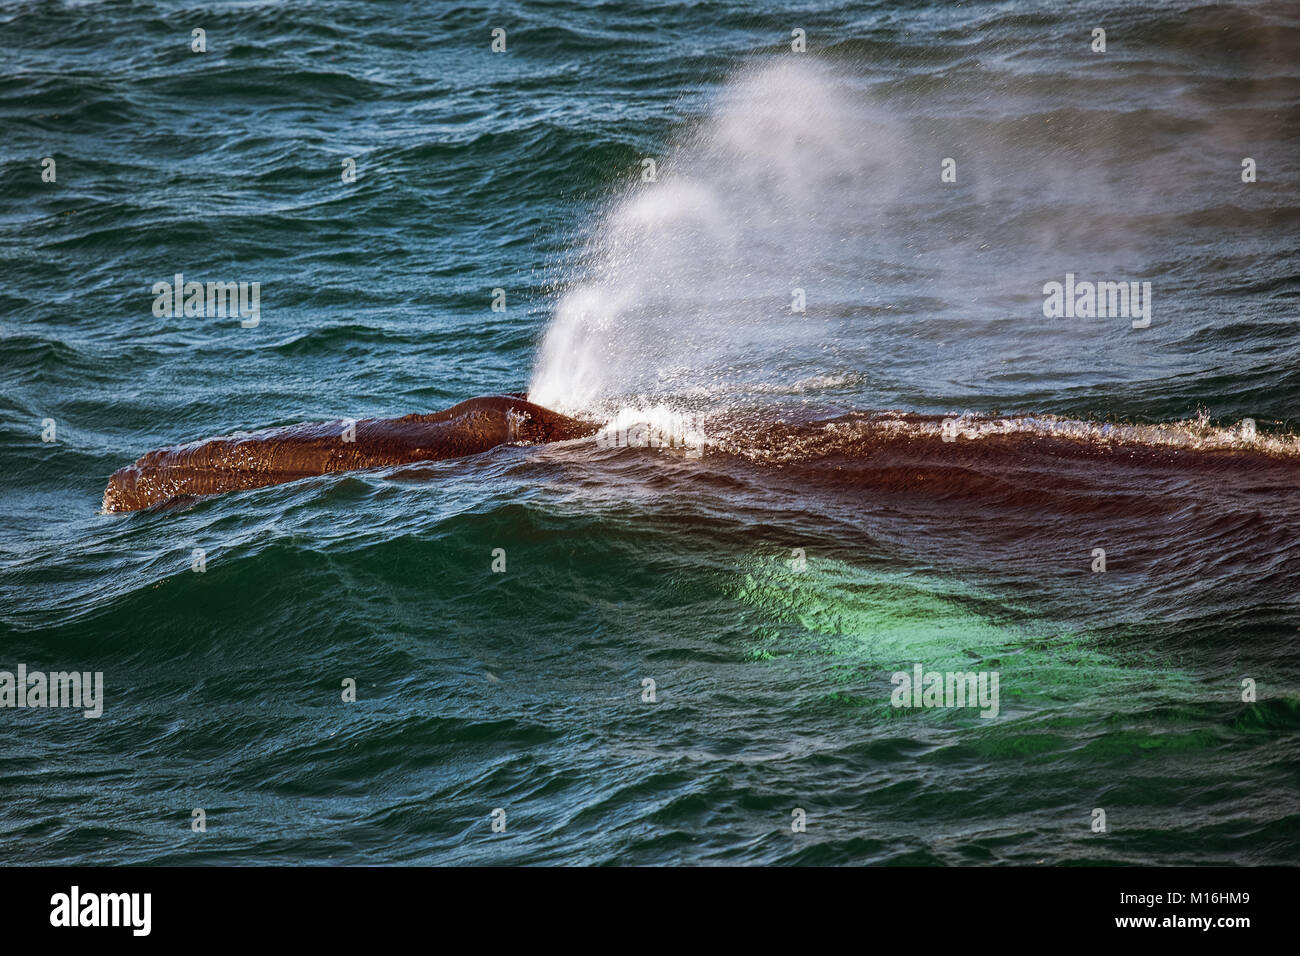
(278, 455)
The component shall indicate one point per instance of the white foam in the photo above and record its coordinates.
(657, 427)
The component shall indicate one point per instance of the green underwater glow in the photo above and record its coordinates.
(870, 624)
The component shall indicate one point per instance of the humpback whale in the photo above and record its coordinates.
(885, 450)
(277, 455)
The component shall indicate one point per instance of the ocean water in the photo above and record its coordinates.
(795, 296)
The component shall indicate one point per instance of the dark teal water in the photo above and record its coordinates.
(776, 170)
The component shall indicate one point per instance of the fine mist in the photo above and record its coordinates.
(688, 283)
(821, 182)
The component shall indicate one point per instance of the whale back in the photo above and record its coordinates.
(278, 455)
